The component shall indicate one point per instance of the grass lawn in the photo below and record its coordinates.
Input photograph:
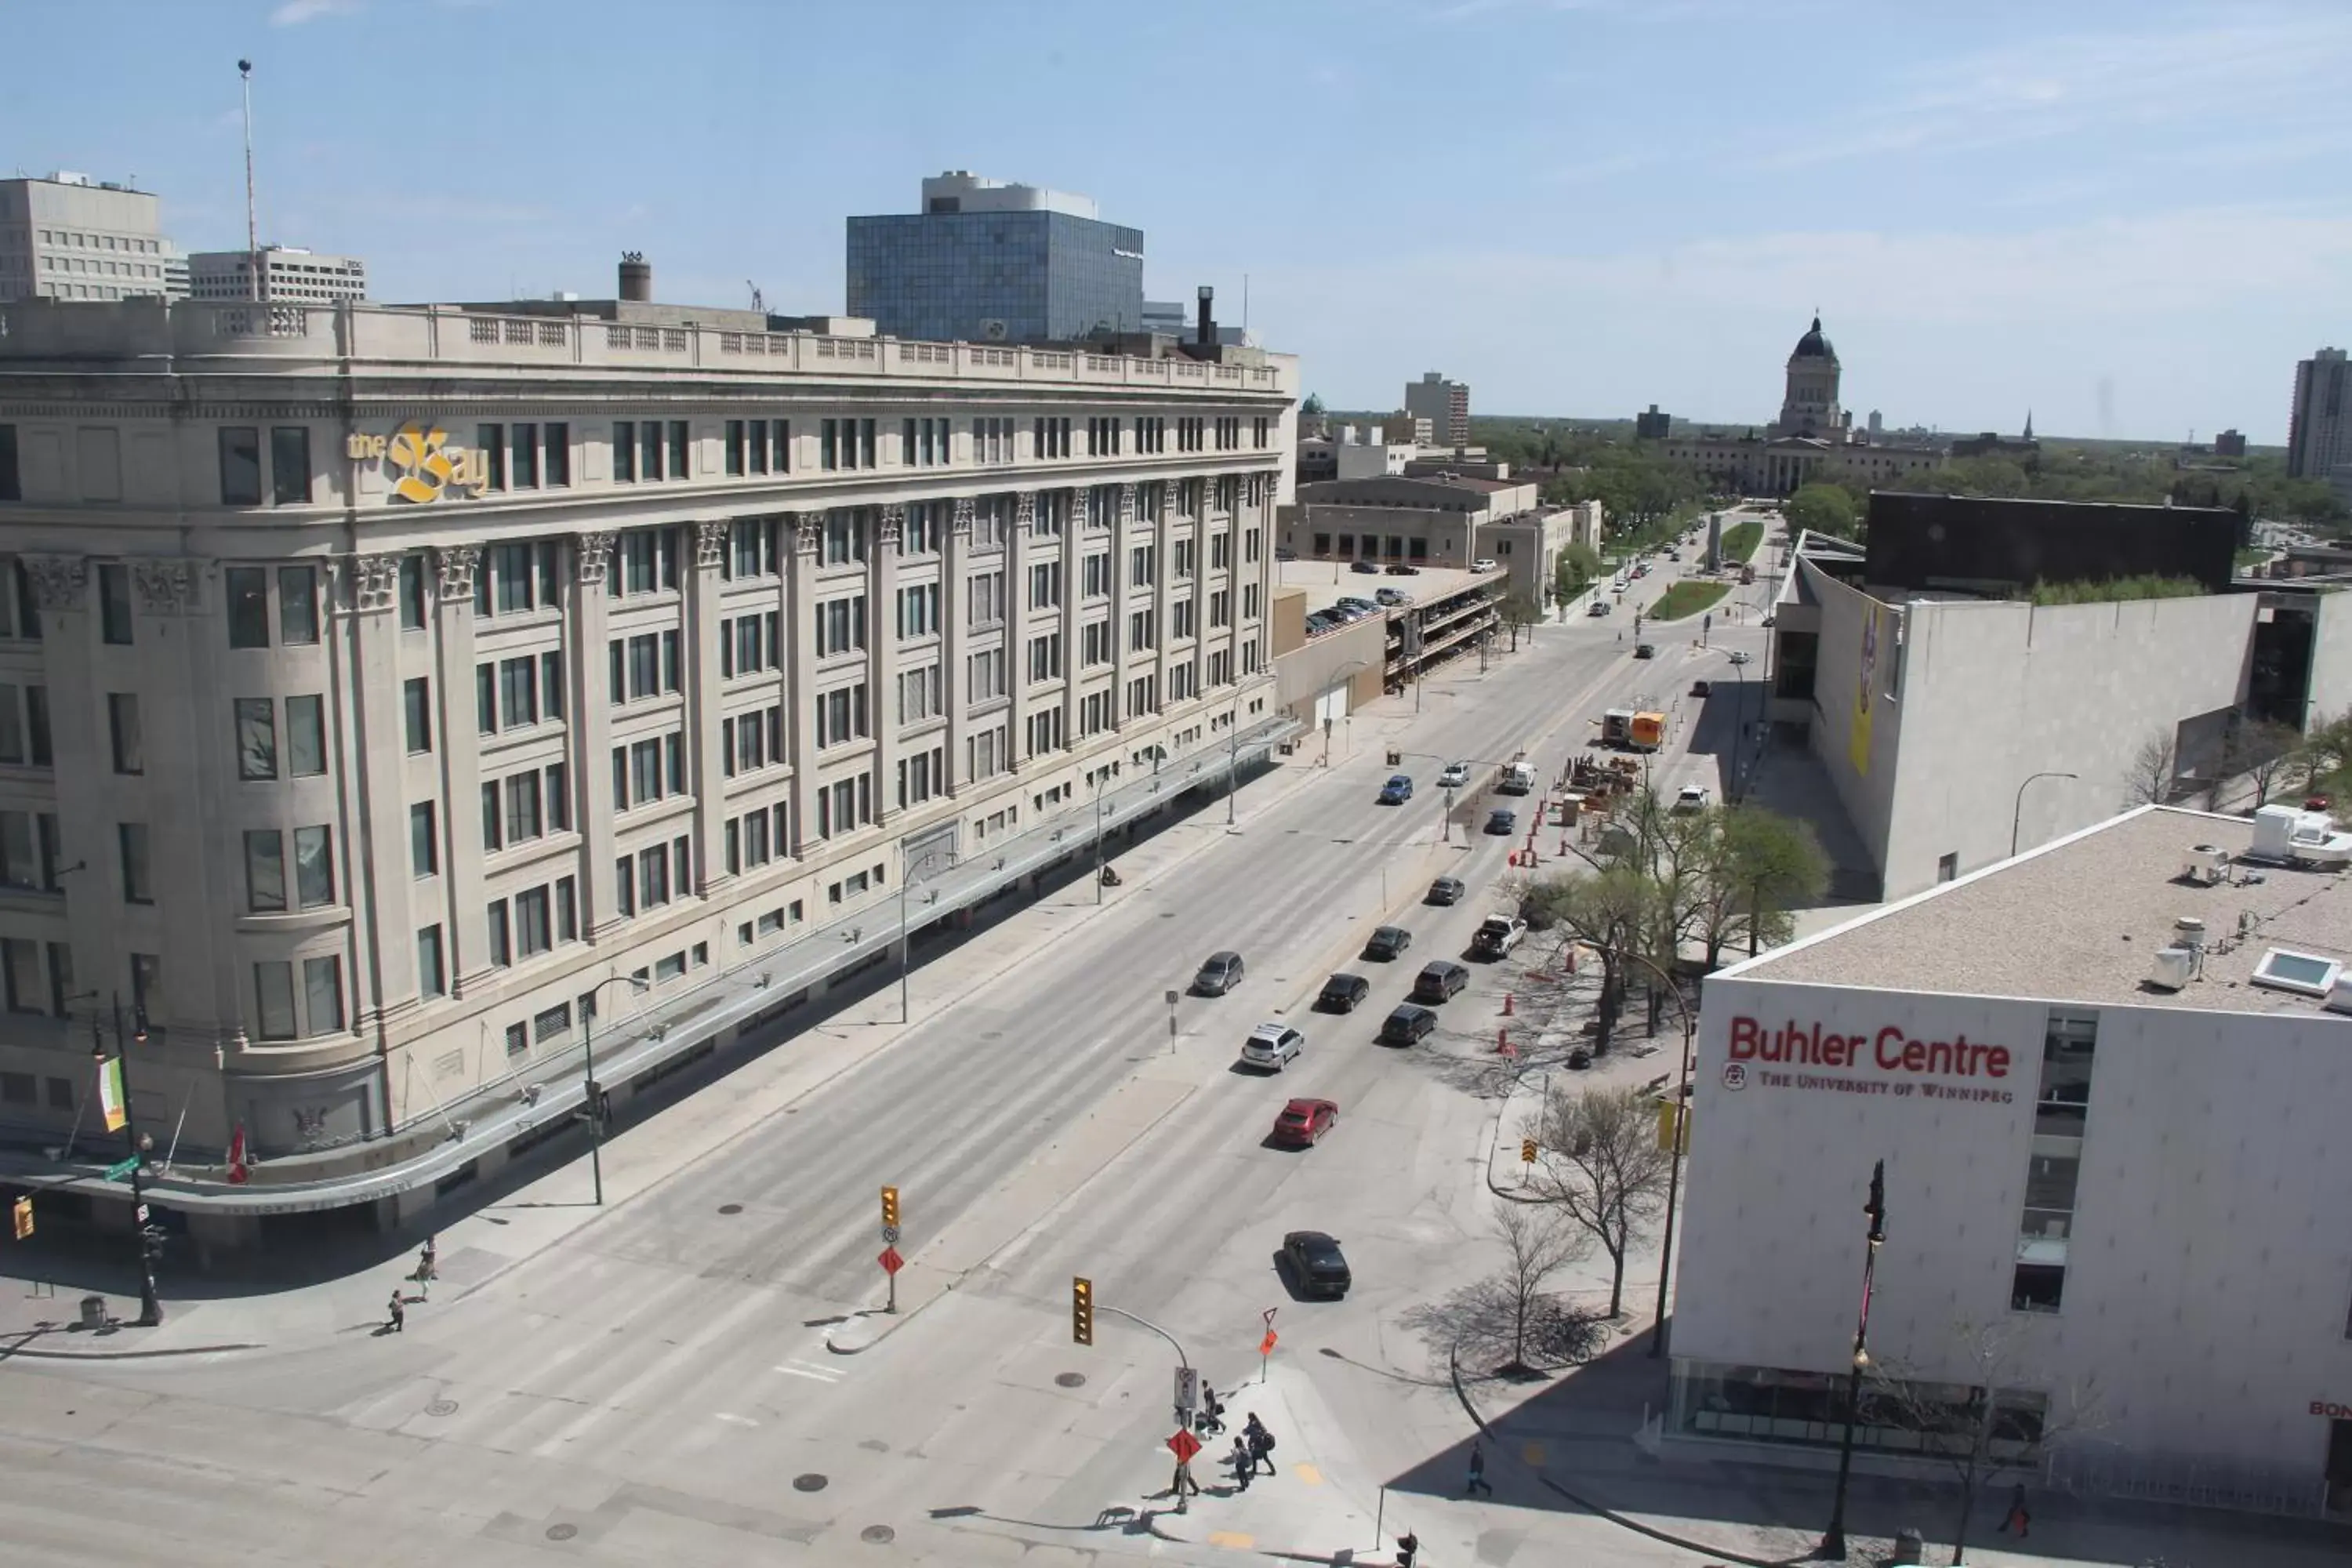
(1740, 540)
(1685, 599)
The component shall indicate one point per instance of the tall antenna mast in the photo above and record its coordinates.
(252, 227)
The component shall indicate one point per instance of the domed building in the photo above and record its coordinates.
(1813, 434)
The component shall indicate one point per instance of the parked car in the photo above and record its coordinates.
(1399, 568)
(1690, 798)
(1454, 776)
(1496, 935)
(1394, 599)
(1439, 981)
(1284, 552)
(1316, 1265)
(1273, 1046)
(1220, 975)
(1406, 1024)
(1484, 563)
(1501, 823)
(1644, 650)
(1342, 992)
(1303, 1122)
(1361, 606)
(1388, 942)
(1371, 568)
(1397, 790)
(1446, 890)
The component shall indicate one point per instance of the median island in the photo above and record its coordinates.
(1686, 599)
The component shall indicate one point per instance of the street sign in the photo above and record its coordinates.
(889, 1235)
(23, 1217)
(1265, 1346)
(1188, 1389)
(120, 1169)
(140, 1214)
(1183, 1445)
(891, 1260)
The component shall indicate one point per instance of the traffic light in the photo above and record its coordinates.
(1527, 1151)
(889, 1208)
(23, 1211)
(1082, 1310)
(1408, 1546)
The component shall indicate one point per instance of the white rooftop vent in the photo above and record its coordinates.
(2174, 966)
(2208, 865)
(2304, 837)
(2339, 996)
(2188, 932)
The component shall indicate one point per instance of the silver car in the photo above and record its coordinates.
(1273, 1046)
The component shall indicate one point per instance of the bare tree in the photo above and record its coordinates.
(1987, 1422)
(1598, 1161)
(1538, 1244)
(2154, 772)
(2268, 750)
(1519, 611)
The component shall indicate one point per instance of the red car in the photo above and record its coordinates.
(1303, 1122)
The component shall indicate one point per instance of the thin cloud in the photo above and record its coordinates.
(294, 12)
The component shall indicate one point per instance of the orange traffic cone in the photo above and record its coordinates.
(1503, 1043)
(1508, 998)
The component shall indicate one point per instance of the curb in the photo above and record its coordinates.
(27, 1353)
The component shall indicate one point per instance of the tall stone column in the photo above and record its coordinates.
(1121, 601)
(1018, 554)
(882, 660)
(806, 530)
(461, 769)
(705, 761)
(955, 637)
(1163, 660)
(1074, 556)
(591, 730)
(370, 751)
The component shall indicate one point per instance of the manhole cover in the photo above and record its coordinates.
(730, 1208)
(562, 1531)
(1070, 1378)
(877, 1535)
(811, 1482)
(442, 1407)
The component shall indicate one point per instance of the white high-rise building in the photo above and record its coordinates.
(510, 648)
(69, 238)
(289, 276)
(1445, 404)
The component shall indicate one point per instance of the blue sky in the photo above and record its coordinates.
(2131, 218)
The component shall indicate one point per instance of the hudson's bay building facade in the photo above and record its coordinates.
(376, 680)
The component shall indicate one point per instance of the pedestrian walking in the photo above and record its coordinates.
(429, 1261)
(2016, 1514)
(399, 1312)
(1476, 1480)
(1244, 1464)
(1260, 1442)
(1184, 1486)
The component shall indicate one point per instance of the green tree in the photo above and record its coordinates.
(1578, 565)
(1612, 908)
(1822, 509)
(1762, 868)
(1518, 612)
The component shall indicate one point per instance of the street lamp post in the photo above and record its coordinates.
(2017, 811)
(1233, 760)
(595, 1093)
(1833, 1541)
(1101, 779)
(151, 1304)
(910, 872)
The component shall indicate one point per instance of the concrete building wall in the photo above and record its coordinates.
(65, 238)
(1315, 681)
(1966, 699)
(2205, 1168)
(2331, 660)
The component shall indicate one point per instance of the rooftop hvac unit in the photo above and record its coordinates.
(2174, 967)
(2208, 865)
(2339, 996)
(2188, 932)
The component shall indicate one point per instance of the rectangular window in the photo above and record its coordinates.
(289, 465)
(240, 465)
(131, 840)
(681, 465)
(416, 712)
(551, 685)
(248, 607)
(737, 463)
(432, 974)
(412, 592)
(517, 692)
(265, 870)
(650, 449)
(122, 725)
(624, 885)
(314, 867)
(558, 797)
(114, 604)
(556, 444)
(653, 877)
(306, 737)
(322, 992)
(532, 934)
(522, 814)
(257, 738)
(423, 842)
(502, 933)
(485, 699)
(625, 450)
(298, 605)
(11, 483)
(523, 472)
(567, 911)
(490, 446)
(273, 994)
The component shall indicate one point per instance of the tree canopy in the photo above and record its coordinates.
(1823, 508)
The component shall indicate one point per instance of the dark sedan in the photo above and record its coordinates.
(1387, 942)
(1316, 1265)
(1342, 992)
(1502, 824)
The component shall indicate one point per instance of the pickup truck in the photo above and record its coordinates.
(1497, 935)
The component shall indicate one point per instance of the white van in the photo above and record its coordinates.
(1516, 779)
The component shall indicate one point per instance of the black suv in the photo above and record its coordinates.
(1406, 1024)
(1316, 1265)
(1388, 942)
(1342, 992)
(1439, 981)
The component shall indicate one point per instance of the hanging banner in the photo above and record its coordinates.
(110, 1093)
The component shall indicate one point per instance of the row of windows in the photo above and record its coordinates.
(648, 770)
(756, 838)
(526, 805)
(645, 881)
(532, 922)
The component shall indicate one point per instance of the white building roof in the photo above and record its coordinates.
(2082, 919)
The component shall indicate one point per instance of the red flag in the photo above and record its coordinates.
(237, 1171)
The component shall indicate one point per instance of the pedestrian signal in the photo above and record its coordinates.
(1082, 1311)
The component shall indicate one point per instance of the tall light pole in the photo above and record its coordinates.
(252, 227)
(2017, 811)
(595, 1094)
(909, 873)
(1233, 760)
(1100, 780)
(151, 1304)
(1833, 1540)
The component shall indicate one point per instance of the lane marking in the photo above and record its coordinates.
(738, 1420)
(1232, 1540)
(816, 1374)
(1308, 1474)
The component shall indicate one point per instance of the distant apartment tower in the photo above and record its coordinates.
(989, 262)
(1651, 425)
(68, 238)
(2318, 431)
(1445, 404)
(2230, 444)
(289, 275)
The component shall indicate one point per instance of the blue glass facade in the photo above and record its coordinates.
(948, 276)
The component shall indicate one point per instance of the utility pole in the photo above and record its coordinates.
(1233, 760)
(1833, 1541)
(594, 1098)
(151, 1305)
(252, 226)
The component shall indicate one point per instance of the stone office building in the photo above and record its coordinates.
(375, 682)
